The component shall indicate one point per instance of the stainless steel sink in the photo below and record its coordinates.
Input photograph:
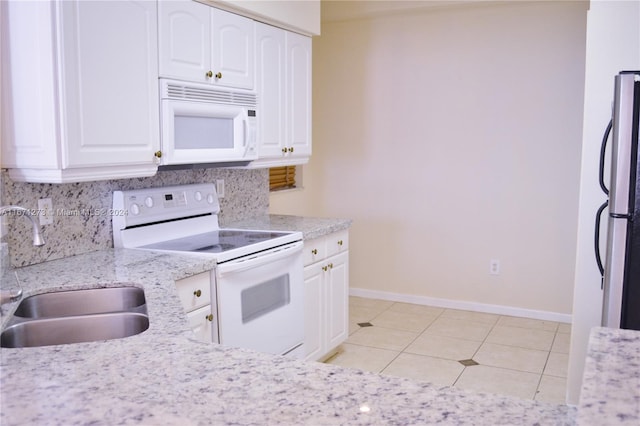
(85, 328)
(81, 302)
(77, 316)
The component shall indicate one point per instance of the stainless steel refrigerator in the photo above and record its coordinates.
(621, 267)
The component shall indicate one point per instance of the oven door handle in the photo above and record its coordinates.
(259, 259)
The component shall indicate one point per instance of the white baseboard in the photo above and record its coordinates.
(462, 305)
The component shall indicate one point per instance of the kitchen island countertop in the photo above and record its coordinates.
(611, 382)
(164, 376)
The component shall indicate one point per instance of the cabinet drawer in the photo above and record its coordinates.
(195, 291)
(201, 322)
(337, 242)
(314, 250)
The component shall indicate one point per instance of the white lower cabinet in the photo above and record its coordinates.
(198, 301)
(326, 275)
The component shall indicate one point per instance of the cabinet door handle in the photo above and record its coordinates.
(197, 293)
(325, 268)
(158, 154)
(331, 266)
(284, 150)
(209, 74)
(218, 75)
(209, 317)
(340, 242)
(290, 149)
(314, 252)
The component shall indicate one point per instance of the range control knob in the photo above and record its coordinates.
(210, 199)
(148, 202)
(135, 209)
(198, 196)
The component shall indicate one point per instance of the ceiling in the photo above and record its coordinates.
(345, 10)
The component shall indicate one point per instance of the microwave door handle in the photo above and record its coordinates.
(244, 130)
(245, 141)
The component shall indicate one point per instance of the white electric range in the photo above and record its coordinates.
(258, 285)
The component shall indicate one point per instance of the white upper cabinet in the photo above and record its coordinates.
(203, 44)
(283, 69)
(299, 94)
(185, 40)
(270, 85)
(79, 100)
(232, 51)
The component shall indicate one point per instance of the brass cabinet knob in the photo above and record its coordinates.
(331, 266)
(158, 154)
(197, 293)
(218, 76)
(325, 268)
(340, 242)
(314, 252)
(284, 150)
(209, 317)
(209, 74)
(291, 149)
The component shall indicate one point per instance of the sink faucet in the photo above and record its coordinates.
(12, 296)
(37, 236)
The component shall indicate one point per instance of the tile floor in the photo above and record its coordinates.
(505, 355)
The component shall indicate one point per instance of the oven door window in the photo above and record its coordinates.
(265, 297)
(192, 132)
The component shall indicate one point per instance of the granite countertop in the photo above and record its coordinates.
(164, 376)
(611, 381)
(311, 227)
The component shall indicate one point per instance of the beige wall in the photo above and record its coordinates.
(452, 137)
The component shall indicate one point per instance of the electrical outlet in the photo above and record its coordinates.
(45, 211)
(494, 267)
(220, 188)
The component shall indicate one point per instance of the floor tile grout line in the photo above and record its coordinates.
(410, 343)
(493, 326)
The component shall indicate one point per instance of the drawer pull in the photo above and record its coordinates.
(314, 252)
(197, 293)
(209, 317)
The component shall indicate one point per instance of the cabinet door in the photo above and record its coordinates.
(299, 94)
(338, 299)
(314, 315)
(232, 49)
(184, 39)
(270, 72)
(109, 93)
(28, 120)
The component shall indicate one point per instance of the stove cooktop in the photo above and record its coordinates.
(219, 241)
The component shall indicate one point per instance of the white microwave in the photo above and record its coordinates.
(206, 124)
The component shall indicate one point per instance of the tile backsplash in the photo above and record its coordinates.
(74, 231)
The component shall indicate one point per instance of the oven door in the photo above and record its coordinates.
(261, 301)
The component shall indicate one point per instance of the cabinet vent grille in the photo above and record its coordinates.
(204, 94)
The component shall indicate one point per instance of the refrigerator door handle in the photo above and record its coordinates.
(596, 239)
(603, 149)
